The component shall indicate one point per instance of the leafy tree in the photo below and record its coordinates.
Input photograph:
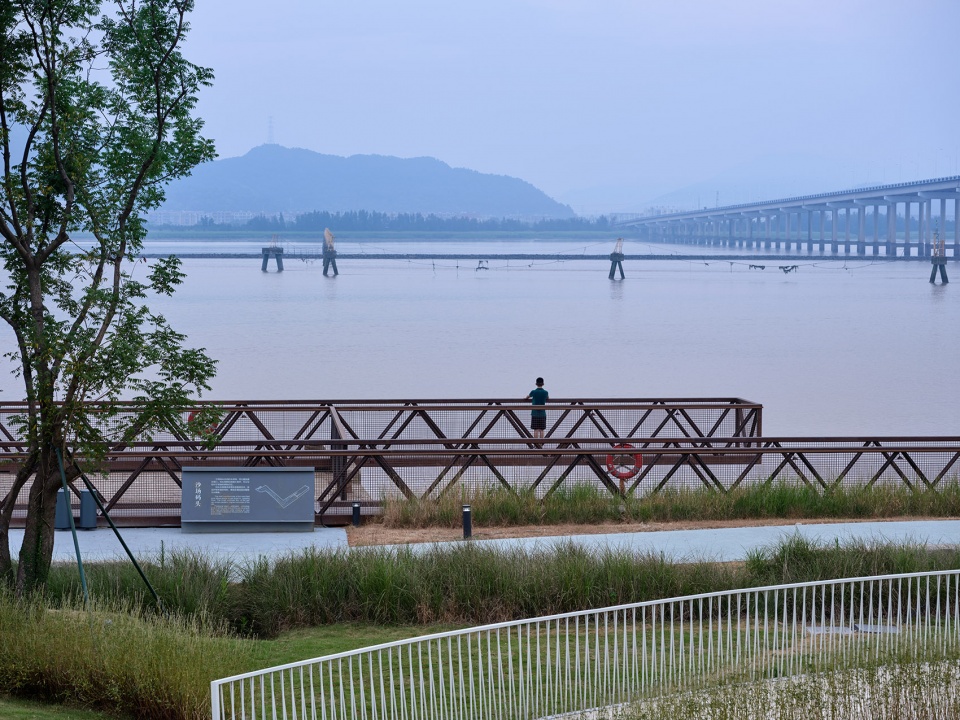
(96, 103)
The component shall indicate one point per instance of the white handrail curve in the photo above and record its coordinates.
(571, 662)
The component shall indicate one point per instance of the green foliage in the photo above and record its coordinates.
(799, 560)
(114, 658)
(350, 598)
(588, 504)
(187, 582)
(29, 710)
(463, 583)
(459, 584)
(96, 103)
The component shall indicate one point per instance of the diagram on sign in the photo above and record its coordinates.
(287, 501)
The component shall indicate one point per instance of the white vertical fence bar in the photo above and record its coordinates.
(572, 662)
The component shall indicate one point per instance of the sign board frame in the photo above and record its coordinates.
(238, 499)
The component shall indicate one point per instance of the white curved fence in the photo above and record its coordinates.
(568, 663)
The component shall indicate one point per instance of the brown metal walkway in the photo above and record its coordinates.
(370, 451)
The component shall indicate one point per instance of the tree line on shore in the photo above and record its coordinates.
(372, 220)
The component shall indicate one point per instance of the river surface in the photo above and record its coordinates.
(850, 347)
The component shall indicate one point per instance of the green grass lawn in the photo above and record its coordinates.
(25, 710)
(306, 643)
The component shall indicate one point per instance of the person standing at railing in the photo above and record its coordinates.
(538, 418)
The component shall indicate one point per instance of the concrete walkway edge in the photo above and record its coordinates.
(720, 544)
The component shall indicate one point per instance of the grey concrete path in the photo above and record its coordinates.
(730, 544)
(725, 544)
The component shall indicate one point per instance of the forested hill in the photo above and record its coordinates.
(272, 179)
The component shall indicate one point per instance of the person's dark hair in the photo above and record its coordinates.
(539, 381)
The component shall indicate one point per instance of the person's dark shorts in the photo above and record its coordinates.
(538, 423)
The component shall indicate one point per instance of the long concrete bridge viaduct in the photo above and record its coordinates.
(886, 220)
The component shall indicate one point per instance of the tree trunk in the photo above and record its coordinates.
(6, 516)
(36, 553)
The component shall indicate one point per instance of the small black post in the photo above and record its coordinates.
(356, 514)
(467, 523)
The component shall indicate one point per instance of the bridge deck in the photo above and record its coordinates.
(372, 451)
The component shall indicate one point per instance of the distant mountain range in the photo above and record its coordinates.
(272, 179)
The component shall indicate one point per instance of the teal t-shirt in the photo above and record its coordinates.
(538, 396)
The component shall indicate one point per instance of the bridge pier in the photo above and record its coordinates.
(616, 263)
(941, 263)
(276, 253)
(922, 229)
(863, 230)
(846, 231)
(907, 220)
(876, 230)
(956, 229)
(891, 250)
(330, 261)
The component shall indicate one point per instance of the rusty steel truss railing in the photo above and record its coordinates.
(140, 480)
(371, 451)
(457, 418)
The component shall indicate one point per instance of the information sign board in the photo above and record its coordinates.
(233, 499)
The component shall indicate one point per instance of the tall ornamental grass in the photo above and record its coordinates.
(115, 658)
(465, 583)
(589, 504)
(796, 560)
(188, 582)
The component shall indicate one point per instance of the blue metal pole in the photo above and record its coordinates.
(73, 529)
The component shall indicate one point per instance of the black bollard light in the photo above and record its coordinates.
(356, 514)
(467, 522)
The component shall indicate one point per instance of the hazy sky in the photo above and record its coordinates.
(605, 104)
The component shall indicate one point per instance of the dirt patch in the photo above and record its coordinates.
(377, 534)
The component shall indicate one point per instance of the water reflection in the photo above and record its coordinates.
(616, 290)
(938, 292)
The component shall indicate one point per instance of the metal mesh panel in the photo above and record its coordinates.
(368, 452)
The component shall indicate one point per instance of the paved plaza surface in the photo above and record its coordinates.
(719, 544)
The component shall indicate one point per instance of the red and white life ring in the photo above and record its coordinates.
(624, 465)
